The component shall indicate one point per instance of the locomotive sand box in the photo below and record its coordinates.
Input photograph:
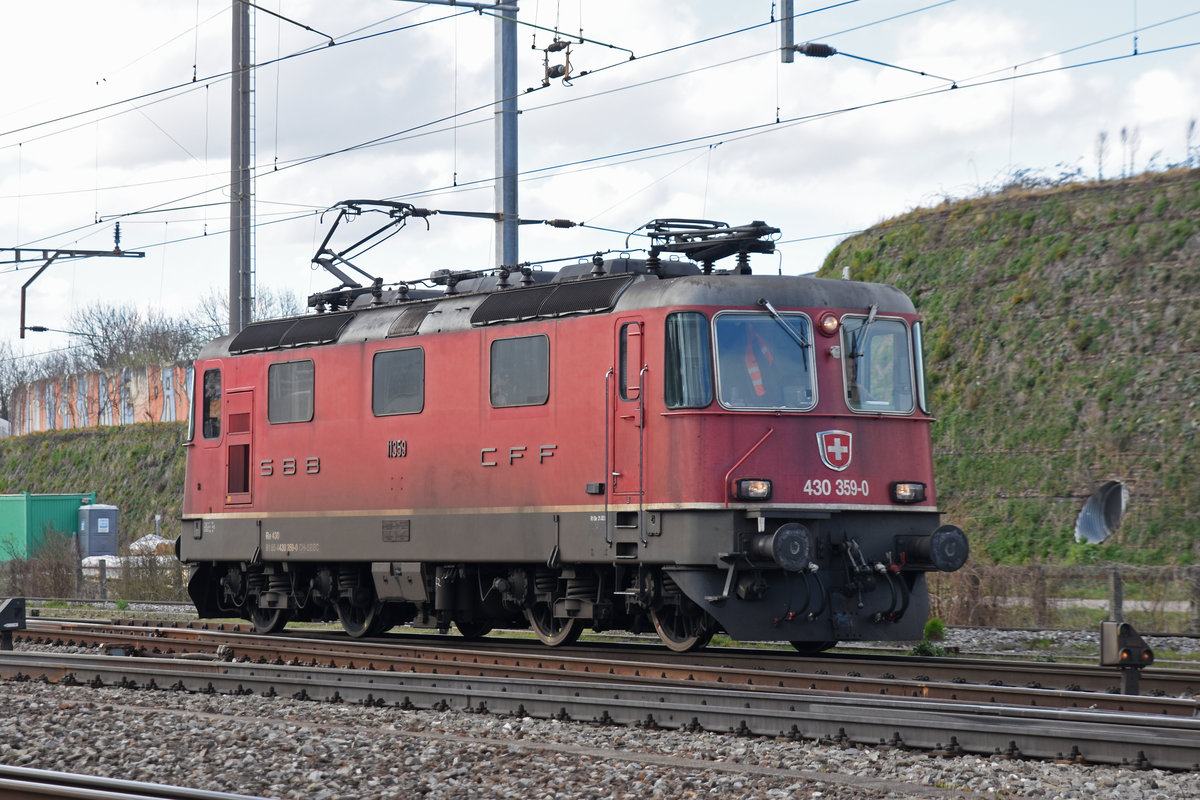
(624, 444)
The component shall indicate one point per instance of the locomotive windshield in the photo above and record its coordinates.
(763, 361)
(877, 367)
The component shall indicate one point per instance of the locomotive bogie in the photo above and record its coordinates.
(686, 454)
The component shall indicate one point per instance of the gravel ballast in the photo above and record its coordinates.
(284, 748)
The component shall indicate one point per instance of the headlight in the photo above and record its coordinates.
(752, 489)
(908, 492)
(828, 324)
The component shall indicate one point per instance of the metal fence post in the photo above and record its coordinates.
(103, 579)
(1193, 577)
(1116, 595)
(1038, 596)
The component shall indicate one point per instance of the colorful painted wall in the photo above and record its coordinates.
(111, 397)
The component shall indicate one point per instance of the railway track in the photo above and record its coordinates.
(740, 691)
(947, 678)
(20, 783)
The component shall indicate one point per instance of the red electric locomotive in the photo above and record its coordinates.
(624, 444)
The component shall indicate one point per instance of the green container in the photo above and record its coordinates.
(26, 518)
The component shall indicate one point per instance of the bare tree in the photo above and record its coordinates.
(20, 369)
(1101, 152)
(1135, 141)
(211, 317)
(123, 336)
(14, 371)
(1124, 149)
(1189, 149)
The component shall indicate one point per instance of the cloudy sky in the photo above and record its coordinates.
(119, 111)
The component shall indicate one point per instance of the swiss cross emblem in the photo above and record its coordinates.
(835, 449)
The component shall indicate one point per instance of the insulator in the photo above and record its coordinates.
(816, 50)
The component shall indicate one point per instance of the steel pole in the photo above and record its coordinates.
(506, 139)
(240, 280)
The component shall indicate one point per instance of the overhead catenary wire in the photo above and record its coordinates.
(740, 133)
(193, 85)
(402, 135)
(729, 135)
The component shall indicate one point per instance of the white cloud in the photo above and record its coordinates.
(826, 175)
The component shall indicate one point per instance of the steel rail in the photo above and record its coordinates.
(971, 680)
(19, 783)
(948, 727)
(564, 666)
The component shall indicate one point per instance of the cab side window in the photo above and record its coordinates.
(520, 371)
(290, 392)
(210, 409)
(398, 382)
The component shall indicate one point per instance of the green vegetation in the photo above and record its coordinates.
(1062, 351)
(1062, 346)
(138, 468)
(928, 648)
(935, 629)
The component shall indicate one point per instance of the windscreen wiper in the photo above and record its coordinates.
(796, 337)
(860, 336)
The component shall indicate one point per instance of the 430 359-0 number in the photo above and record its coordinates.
(842, 487)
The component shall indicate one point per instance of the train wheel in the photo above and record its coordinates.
(683, 627)
(472, 630)
(385, 619)
(359, 620)
(550, 630)
(269, 620)
(812, 648)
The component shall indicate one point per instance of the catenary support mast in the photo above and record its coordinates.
(241, 276)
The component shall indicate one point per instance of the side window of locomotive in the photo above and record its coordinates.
(764, 361)
(919, 356)
(520, 371)
(210, 410)
(290, 392)
(398, 382)
(688, 369)
(876, 365)
(629, 361)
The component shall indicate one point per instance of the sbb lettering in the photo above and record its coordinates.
(289, 466)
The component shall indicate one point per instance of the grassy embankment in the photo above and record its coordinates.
(1062, 350)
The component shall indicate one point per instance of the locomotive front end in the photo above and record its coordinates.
(817, 445)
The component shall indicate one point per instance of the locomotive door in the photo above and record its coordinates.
(239, 410)
(626, 487)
